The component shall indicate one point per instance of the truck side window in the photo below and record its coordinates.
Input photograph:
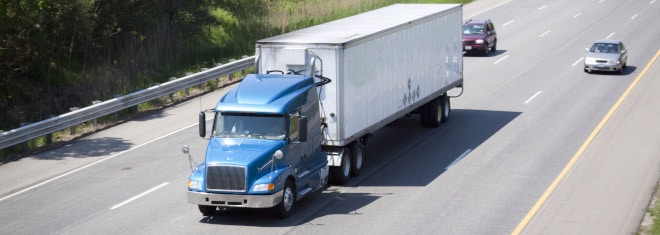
(293, 126)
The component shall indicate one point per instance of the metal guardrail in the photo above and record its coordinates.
(89, 113)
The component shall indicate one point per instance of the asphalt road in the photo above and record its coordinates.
(534, 145)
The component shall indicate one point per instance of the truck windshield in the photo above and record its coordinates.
(232, 125)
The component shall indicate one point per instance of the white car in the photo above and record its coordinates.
(606, 55)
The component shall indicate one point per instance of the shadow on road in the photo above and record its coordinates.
(401, 154)
(85, 148)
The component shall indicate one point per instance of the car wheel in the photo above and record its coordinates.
(487, 51)
(494, 48)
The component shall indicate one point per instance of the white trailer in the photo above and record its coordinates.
(381, 66)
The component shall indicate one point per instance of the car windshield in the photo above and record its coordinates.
(474, 29)
(604, 48)
(232, 125)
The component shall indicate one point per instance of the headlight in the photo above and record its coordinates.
(194, 185)
(479, 41)
(617, 62)
(263, 187)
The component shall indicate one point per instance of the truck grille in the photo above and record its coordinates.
(225, 178)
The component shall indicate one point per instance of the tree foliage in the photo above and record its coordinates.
(58, 54)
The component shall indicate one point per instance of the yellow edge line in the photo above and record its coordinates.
(577, 155)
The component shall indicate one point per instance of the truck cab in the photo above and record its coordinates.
(264, 149)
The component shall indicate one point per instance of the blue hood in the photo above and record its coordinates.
(241, 151)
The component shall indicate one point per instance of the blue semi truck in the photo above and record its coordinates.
(304, 117)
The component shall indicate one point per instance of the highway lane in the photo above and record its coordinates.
(616, 173)
(525, 112)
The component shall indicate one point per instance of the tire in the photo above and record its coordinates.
(207, 210)
(424, 115)
(494, 48)
(433, 117)
(341, 174)
(487, 51)
(445, 108)
(359, 157)
(285, 208)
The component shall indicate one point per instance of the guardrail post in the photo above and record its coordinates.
(231, 75)
(95, 102)
(203, 84)
(49, 136)
(172, 94)
(188, 89)
(24, 145)
(243, 57)
(219, 78)
(72, 129)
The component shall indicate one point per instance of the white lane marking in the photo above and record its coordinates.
(493, 7)
(577, 15)
(601, 1)
(507, 23)
(501, 59)
(544, 6)
(459, 158)
(543, 34)
(578, 61)
(633, 17)
(609, 36)
(534, 96)
(139, 195)
(652, 1)
(93, 163)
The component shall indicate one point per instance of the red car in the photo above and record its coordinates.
(479, 36)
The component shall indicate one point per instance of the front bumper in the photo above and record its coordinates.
(602, 67)
(235, 200)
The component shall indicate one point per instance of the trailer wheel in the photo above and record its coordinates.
(445, 107)
(207, 210)
(359, 157)
(341, 174)
(434, 113)
(285, 208)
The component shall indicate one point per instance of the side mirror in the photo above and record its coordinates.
(202, 124)
(586, 49)
(623, 51)
(302, 129)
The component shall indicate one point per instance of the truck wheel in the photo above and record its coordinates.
(434, 113)
(341, 174)
(207, 210)
(359, 157)
(284, 209)
(445, 108)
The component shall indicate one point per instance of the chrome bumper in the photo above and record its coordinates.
(233, 200)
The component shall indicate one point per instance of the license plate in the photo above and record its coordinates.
(468, 47)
